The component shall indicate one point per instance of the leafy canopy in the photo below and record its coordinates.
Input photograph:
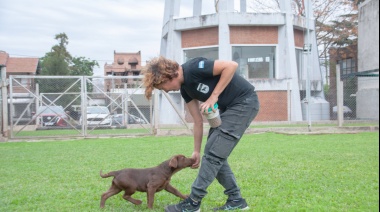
(59, 62)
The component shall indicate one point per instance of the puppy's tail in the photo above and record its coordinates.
(110, 174)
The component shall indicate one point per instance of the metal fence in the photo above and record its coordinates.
(81, 106)
(41, 106)
(355, 96)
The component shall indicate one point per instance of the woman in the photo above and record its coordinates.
(203, 83)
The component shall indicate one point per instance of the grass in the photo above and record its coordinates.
(337, 172)
(73, 132)
(289, 125)
(146, 131)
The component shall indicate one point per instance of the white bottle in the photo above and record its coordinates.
(212, 117)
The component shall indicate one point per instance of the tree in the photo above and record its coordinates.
(216, 3)
(59, 62)
(336, 23)
(82, 67)
(336, 20)
(56, 62)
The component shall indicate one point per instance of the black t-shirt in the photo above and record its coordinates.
(199, 83)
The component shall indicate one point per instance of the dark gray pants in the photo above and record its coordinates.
(220, 143)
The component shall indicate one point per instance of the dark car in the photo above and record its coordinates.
(51, 116)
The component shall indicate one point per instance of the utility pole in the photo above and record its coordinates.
(326, 64)
(4, 102)
(307, 48)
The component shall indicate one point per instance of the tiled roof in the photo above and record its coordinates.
(22, 65)
(18, 64)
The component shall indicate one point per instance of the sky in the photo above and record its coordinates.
(95, 28)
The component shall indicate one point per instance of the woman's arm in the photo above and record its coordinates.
(226, 70)
(193, 107)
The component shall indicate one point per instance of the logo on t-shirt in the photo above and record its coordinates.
(201, 64)
(203, 88)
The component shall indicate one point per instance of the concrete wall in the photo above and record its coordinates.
(367, 104)
(367, 97)
(227, 28)
(369, 36)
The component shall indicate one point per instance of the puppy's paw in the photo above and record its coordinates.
(138, 202)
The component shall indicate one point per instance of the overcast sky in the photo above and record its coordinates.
(95, 28)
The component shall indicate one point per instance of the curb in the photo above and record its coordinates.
(315, 130)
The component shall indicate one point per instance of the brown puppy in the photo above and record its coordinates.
(150, 180)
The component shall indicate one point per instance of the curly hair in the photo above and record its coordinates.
(157, 71)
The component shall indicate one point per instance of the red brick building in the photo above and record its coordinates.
(124, 64)
(20, 66)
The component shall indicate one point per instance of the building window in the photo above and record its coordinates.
(347, 66)
(209, 53)
(255, 61)
(299, 60)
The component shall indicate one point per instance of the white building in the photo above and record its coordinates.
(269, 48)
(367, 97)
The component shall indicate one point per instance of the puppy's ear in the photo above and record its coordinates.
(173, 162)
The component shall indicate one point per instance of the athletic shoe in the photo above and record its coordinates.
(238, 204)
(187, 205)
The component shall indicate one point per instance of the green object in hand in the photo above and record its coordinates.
(215, 107)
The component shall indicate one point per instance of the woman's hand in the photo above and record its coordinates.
(226, 70)
(197, 159)
(208, 104)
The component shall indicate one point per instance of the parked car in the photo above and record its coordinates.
(347, 112)
(98, 116)
(56, 121)
(75, 112)
(51, 116)
(135, 120)
(118, 120)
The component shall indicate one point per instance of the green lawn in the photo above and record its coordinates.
(78, 133)
(337, 172)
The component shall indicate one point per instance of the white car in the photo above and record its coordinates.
(98, 116)
(118, 119)
(347, 112)
(135, 120)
